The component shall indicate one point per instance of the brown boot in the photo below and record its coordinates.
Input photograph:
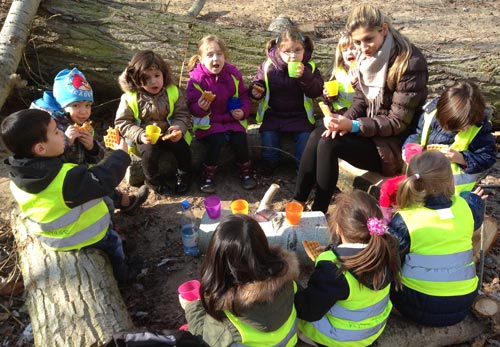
(207, 183)
(246, 175)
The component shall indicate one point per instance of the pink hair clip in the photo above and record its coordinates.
(376, 226)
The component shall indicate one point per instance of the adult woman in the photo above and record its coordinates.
(391, 91)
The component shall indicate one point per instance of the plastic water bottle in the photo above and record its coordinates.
(189, 229)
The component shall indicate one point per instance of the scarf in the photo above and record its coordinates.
(372, 75)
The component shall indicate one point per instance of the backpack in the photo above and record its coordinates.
(154, 338)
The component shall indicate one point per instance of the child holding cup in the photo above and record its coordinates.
(151, 98)
(286, 83)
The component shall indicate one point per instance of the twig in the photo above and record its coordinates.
(12, 315)
(277, 149)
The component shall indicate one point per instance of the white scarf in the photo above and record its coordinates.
(372, 74)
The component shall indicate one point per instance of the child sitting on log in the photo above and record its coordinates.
(63, 203)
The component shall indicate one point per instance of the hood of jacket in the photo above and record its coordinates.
(265, 291)
(33, 174)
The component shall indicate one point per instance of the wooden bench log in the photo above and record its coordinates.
(72, 297)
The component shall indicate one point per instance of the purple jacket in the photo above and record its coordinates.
(223, 86)
(286, 111)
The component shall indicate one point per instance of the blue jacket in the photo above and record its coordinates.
(481, 154)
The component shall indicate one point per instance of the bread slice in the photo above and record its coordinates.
(324, 108)
(112, 137)
(436, 147)
(313, 248)
(208, 95)
(259, 89)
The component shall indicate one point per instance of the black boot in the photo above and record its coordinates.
(207, 183)
(246, 175)
(183, 182)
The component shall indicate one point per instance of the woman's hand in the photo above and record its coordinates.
(338, 124)
(237, 114)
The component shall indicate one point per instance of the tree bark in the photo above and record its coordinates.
(196, 8)
(72, 297)
(13, 38)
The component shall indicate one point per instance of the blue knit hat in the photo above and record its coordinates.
(71, 86)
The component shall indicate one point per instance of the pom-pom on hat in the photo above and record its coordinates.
(71, 86)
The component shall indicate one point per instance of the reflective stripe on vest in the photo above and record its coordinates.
(355, 321)
(346, 91)
(264, 104)
(284, 336)
(172, 96)
(440, 261)
(203, 123)
(464, 182)
(56, 225)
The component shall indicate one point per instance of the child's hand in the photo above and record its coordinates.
(175, 132)
(145, 139)
(122, 145)
(183, 302)
(237, 114)
(204, 103)
(329, 99)
(300, 70)
(72, 134)
(258, 91)
(86, 139)
(454, 156)
(480, 192)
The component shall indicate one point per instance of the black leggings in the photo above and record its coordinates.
(319, 164)
(213, 145)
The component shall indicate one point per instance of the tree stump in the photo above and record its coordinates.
(72, 297)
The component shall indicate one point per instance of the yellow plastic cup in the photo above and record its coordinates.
(239, 206)
(293, 212)
(153, 132)
(292, 68)
(331, 87)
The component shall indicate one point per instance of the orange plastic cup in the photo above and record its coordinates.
(239, 206)
(293, 212)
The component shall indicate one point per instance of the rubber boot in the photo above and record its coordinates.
(183, 182)
(207, 183)
(246, 175)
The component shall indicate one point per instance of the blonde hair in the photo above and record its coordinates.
(352, 211)
(369, 17)
(345, 41)
(428, 173)
(195, 59)
(293, 34)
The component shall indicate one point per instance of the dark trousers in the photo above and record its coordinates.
(213, 144)
(150, 155)
(319, 164)
(111, 244)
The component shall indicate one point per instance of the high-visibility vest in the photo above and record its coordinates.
(356, 321)
(346, 91)
(264, 104)
(57, 226)
(440, 260)
(284, 336)
(172, 96)
(203, 123)
(463, 181)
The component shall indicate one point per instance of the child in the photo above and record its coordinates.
(346, 302)
(287, 107)
(151, 97)
(223, 119)
(62, 202)
(344, 71)
(460, 120)
(247, 289)
(70, 104)
(434, 228)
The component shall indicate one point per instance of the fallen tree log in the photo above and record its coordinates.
(72, 297)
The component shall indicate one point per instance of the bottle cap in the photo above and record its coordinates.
(185, 205)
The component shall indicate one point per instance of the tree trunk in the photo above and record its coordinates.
(196, 8)
(13, 37)
(72, 297)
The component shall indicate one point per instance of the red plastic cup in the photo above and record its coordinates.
(411, 149)
(190, 290)
(213, 206)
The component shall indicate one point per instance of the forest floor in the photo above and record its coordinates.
(442, 29)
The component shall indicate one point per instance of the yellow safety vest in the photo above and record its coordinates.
(440, 260)
(204, 122)
(285, 336)
(346, 91)
(57, 226)
(264, 104)
(464, 182)
(172, 96)
(356, 321)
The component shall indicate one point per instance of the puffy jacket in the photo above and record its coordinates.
(397, 116)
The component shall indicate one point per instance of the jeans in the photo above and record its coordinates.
(111, 244)
(272, 139)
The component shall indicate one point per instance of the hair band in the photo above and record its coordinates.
(417, 176)
(376, 226)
